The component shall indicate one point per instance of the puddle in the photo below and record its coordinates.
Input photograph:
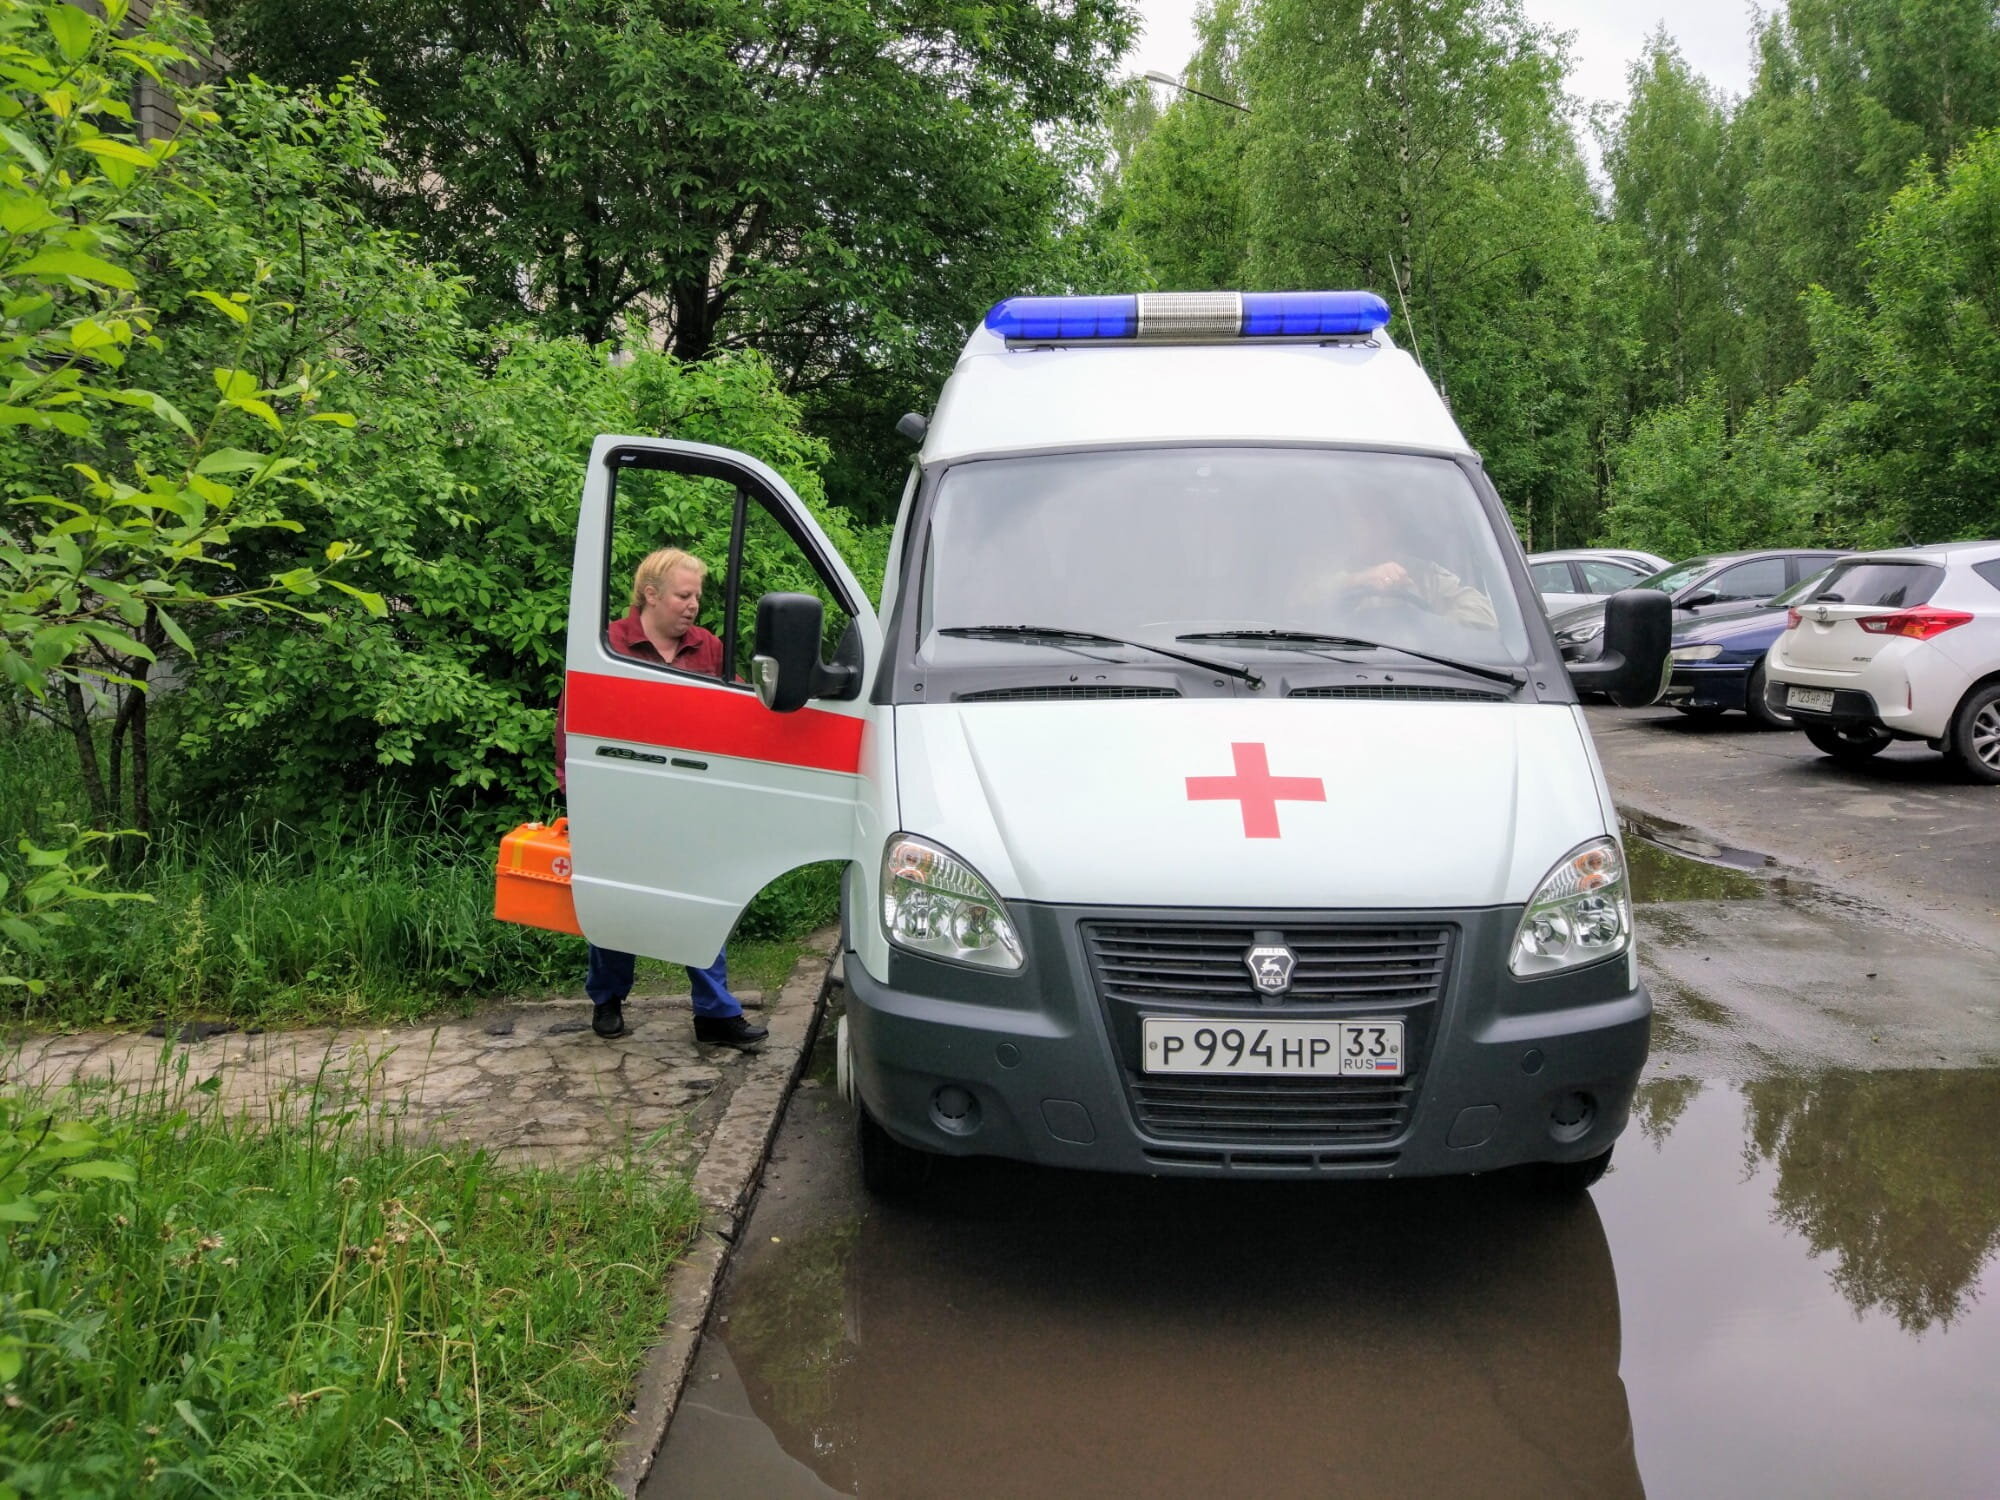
(1670, 864)
(1806, 1267)
(1779, 1287)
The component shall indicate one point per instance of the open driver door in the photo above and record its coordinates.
(688, 792)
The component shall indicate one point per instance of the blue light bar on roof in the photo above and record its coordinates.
(1184, 317)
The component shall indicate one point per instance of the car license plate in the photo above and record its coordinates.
(1809, 698)
(1338, 1049)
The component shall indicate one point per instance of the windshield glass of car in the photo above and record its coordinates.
(1671, 580)
(1884, 585)
(1155, 544)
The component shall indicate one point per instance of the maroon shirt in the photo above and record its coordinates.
(699, 651)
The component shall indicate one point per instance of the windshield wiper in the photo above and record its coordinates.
(1057, 635)
(1312, 638)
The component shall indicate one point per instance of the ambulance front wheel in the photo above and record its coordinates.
(889, 1169)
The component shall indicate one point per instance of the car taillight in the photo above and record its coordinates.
(1918, 624)
(1791, 619)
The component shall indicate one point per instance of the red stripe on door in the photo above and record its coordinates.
(718, 720)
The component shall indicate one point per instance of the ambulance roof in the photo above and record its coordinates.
(1008, 395)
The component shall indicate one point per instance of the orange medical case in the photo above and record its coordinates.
(531, 885)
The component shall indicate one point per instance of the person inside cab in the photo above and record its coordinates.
(1387, 569)
(660, 628)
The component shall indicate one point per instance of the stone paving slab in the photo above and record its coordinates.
(528, 1081)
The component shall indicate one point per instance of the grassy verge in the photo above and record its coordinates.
(195, 1305)
(382, 913)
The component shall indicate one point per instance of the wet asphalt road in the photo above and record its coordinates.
(1784, 1287)
(1906, 830)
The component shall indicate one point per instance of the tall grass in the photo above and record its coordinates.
(196, 1304)
(382, 910)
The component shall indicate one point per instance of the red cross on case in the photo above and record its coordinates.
(1257, 789)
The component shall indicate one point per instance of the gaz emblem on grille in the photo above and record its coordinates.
(1271, 966)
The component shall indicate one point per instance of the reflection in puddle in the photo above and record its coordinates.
(1778, 1287)
(1659, 1105)
(1660, 874)
(1800, 1262)
(1896, 1176)
(1031, 1333)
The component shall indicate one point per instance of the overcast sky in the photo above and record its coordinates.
(1714, 36)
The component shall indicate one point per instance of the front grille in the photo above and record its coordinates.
(1390, 970)
(1413, 693)
(1168, 963)
(1322, 1111)
(1049, 694)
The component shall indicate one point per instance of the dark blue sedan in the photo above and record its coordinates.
(1718, 659)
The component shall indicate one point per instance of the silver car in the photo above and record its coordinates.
(1581, 574)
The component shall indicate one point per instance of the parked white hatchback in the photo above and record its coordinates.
(1901, 645)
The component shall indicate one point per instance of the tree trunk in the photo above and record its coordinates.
(142, 771)
(86, 753)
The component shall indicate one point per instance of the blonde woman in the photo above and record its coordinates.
(660, 627)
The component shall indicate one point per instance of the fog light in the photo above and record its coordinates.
(1571, 1117)
(955, 1109)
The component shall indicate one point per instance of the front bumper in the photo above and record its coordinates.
(1048, 1058)
(1708, 685)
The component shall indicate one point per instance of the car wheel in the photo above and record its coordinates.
(1849, 746)
(1702, 713)
(1759, 707)
(1565, 1179)
(1975, 734)
(889, 1169)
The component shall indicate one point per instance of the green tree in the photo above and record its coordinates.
(1847, 94)
(119, 506)
(1426, 150)
(841, 186)
(1690, 479)
(1674, 202)
(1180, 187)
(1909, 371)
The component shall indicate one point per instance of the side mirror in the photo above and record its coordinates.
(1696, 601)
(1631, 668)
(786, 667)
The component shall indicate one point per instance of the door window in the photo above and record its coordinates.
(659, 511)
(773, 562)
(1602, 577)
(670, 524)
(1551, 578)
(1748, 581)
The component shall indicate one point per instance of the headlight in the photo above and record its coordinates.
(1581, 913)
(933, 902)
(1576, 635)
(1696, 653)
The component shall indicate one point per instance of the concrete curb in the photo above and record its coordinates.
(724, 1182)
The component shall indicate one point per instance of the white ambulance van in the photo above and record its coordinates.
(1212, 796)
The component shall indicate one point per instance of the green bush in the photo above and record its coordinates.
(193, 1305)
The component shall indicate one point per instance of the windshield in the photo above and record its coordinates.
(1680, 573)
(1161, 544)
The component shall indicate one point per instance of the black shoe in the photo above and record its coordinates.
(608, 1019)
(728, 1031)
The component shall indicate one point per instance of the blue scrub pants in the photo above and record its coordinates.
(609, 977)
